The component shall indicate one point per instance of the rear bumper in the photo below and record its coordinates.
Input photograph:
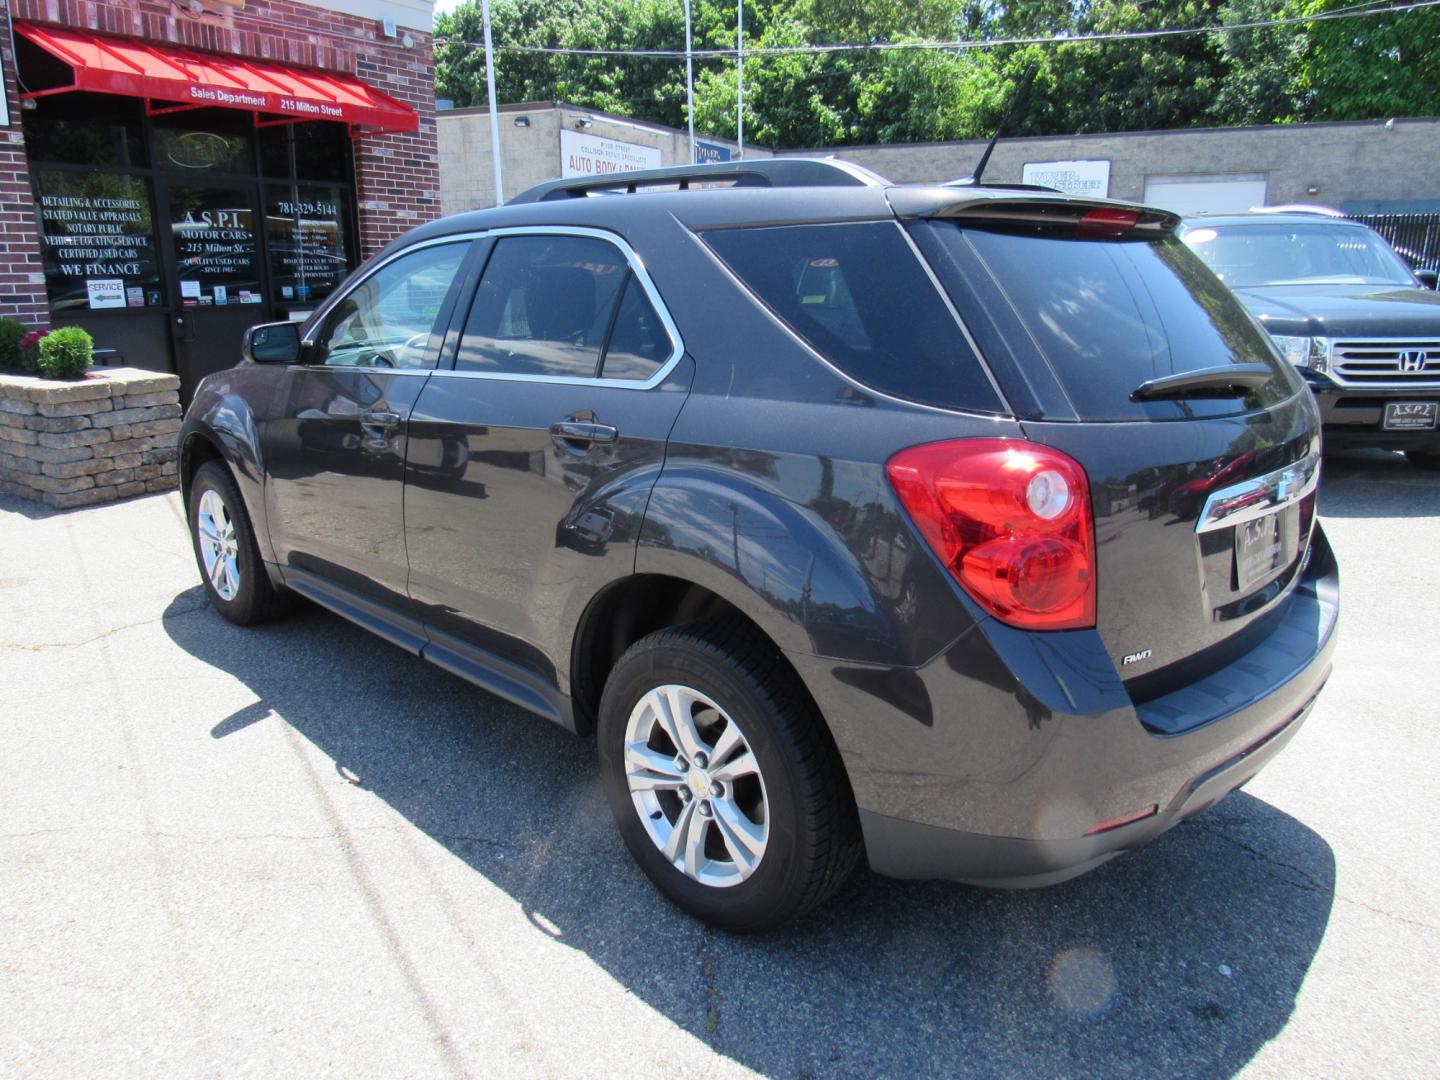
(1352, 418)
(909, 849)
(1038, 744)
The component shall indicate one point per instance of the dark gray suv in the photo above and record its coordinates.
(969, 529)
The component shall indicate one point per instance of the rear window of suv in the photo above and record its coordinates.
(857, 295)
(1071, 326)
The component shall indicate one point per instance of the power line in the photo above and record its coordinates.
(1354, 11)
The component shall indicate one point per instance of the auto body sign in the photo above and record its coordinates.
(594, 155)
(1072, 177)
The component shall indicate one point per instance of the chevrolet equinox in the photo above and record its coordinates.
(967, 529)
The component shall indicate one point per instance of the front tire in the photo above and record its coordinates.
(722, 778)
(226, 552)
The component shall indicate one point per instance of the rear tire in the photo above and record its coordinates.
(1423, 459)
(231, 569)
(760, 821)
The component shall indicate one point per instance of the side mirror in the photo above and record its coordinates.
(272, 343)
(1428, 278)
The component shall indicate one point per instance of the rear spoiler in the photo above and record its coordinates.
(1036, 211)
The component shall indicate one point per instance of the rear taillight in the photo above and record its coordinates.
(1011, 521)
(1106, 222)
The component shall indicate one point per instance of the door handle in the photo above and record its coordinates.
(586, 431)
(380, 418)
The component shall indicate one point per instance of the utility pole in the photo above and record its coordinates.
(740, 78)
(494, 113)
(689, 82)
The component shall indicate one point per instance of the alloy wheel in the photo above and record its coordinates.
(696, 785)
(219, 548)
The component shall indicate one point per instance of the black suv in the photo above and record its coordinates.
(1357, 322)
(971, 529)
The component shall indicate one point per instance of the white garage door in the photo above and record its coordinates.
(1205, 194)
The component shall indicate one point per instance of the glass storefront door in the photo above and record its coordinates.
(165, 236)
(213, 272)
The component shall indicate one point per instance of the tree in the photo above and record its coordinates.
(1372, 67)
(1344, 69)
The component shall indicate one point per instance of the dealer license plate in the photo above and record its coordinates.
(1259, 550)
(1410, 415)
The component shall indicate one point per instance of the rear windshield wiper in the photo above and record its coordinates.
(1232, 380)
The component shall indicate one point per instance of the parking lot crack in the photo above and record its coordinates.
(712, 988)
(42, 646)
(1308, 882)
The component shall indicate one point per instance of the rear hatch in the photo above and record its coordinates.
(1202, 490)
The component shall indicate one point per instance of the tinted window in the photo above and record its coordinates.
(306, 226)
(639, 344)
(1279, 253)
(388, 320)
(85, 129)
(97, 238)
(543, 307)
(204, 141)
(1072, 326)
(860, 298)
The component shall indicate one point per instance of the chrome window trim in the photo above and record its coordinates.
(1261, 495)
(632, 259)
(789, 331)
(317, 320)
(637, 267)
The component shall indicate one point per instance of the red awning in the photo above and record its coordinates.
(109, 65)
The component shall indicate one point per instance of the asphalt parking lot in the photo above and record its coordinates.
(299, 851)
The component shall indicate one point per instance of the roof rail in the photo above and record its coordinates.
(761, 172)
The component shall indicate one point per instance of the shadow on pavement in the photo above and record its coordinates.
(1377, 483)
(1182, 959)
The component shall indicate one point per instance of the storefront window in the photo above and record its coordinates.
(97, 239)
(322, 151)
(204, 141)
(86, 129)
(306, 228)
(216, 247)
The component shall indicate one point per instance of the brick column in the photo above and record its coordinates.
(397, 177)
(22, 284)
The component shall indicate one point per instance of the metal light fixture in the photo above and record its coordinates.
(522, 121)
(584, 122)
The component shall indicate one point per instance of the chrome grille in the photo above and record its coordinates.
(1386, 361)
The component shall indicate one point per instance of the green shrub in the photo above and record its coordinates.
(11, 334)
(66, 353)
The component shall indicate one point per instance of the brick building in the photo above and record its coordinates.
(172, 171)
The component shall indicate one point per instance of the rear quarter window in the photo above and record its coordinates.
(858, 296)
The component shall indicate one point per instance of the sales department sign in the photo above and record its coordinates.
(582, 154)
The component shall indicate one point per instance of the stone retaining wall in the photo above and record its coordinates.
(107, 436)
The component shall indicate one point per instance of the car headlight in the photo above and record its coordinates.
(1306, 352)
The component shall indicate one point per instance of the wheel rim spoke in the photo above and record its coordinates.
(695, 844)
(741, 765)
(671, 706)
(744, 840)
(727, 744)
(649, 770)
(680, 832)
